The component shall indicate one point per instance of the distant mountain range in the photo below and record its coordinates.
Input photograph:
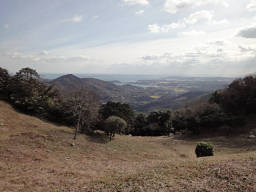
(124, 78)
(147, 95)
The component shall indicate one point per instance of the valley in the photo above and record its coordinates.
(146, 95)
(127, 96)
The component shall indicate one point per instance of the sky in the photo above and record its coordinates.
(172, 37)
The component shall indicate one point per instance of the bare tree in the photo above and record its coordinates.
(84, 107)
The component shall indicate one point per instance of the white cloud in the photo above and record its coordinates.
(6, 26)
(209, 58)
(194, 18)
(75, 19)
(136, 2)
(203, 16)
(224, 4)
(197, 22)
(22, 55)
(199, 16)
(189, 54)
(40, 59)
(155, 28)
(220, 22)
(193, 33)
(252, 5)
(140, 12)
(173, 6)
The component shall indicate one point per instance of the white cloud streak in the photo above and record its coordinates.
(192, 33)
(252, 6)
(136, 2)
(199, 16)
(140, 12)
(75, 19)
(173, 6)
(155, 28)
(203, 16)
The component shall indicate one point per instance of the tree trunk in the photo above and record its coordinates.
(77, 127)
(76, 130)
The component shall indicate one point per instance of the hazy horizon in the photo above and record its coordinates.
(129, 78)
(139, 37)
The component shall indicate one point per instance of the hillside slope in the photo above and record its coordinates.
(106, 91)
(38, 156)
(70, 83)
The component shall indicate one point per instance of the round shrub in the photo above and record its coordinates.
(204, 149)
(114, 124)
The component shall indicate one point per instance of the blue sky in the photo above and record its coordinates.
(172, 37)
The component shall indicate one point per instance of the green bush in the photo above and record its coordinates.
(204, 149)
(113, 125)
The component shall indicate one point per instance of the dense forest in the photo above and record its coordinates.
(224, 112)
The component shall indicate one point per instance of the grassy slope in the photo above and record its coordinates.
(38, 156)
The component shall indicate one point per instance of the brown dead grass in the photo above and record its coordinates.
(38, 156)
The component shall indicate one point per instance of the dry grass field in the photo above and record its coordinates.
(39, 156)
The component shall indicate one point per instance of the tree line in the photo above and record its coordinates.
(27, 92)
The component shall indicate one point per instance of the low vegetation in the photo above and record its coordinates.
(38, 156)
(157, 123)
(113, 125)
(204, 149)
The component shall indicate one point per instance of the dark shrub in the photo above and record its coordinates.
(4, 82)
(180, 119)
(204, 149)
(159, 123)
(238, 97)
(139, 123)
(202, 118)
